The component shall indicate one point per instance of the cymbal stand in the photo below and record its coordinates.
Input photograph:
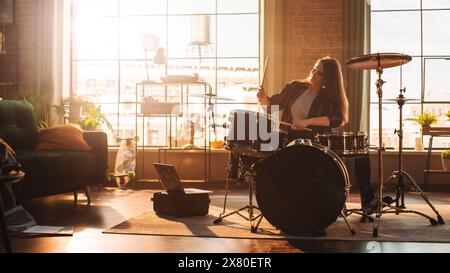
(399, 206)
(379, 84)
(253, 218)
(399, 175)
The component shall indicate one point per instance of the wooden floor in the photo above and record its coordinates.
(112, 206)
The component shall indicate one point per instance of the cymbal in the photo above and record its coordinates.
(211, 96)
(400, 99)
(370, 61)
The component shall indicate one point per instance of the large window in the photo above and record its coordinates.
(115, 42)
(421, 29)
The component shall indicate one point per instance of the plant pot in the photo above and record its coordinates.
(446, 164)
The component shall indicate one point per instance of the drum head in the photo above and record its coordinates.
(301, 189)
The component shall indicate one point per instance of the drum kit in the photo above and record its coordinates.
(301, 187)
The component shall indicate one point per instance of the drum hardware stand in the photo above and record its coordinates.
(380, 148)
(254, 220)
(400, 173)
(364, 216)
(399, 206)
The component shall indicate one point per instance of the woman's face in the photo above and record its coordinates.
(316, 75)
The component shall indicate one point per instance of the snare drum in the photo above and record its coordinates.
(251, 134)
(346, 144)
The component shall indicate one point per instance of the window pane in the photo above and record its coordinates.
(435, 4)
(95, 38)
(205, 69)
(142, 7)
(238, 79)
(139, 33)
(437, 81)
(127, 121)
(96, 81)
(237, 6)
(410, 81)
(436, 32)
(391, 33)
(391, 122)
(110, 111)
(97, 8)
(132, 72)
(396, 4)
(237, 36)
(192, 36)
(153, 131)
(192, 6)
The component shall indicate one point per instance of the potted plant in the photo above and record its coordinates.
(40, 101)
(445, 156)
(426, 119)
(90, 118)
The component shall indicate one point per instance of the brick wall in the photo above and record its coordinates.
(314, 29)
(17, 66)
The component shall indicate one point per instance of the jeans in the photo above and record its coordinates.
(362, 172)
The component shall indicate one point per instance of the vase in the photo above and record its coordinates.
(418, 146)
(446, 164)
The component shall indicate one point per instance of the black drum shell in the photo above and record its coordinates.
(250, 144)
(301, 189)
(345, 144)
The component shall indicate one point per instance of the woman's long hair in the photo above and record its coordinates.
(333, 85)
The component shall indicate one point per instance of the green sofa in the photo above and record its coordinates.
(50, 172)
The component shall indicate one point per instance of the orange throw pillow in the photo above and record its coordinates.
(62, 137)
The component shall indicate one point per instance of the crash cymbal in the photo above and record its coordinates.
(370, 61)
(211, 96)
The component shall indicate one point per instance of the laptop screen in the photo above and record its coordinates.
(169, 178)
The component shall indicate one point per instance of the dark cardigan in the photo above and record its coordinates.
(321, 106)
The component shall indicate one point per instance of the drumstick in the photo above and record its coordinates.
(266, 62)
(284, 122)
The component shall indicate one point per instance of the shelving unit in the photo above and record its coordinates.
(169, 95)
(433, 132)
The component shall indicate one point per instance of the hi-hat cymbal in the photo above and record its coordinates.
(400, 99)
(370, 61)
(211, 96)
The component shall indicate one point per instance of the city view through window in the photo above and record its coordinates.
(118, 44)
(419, 29)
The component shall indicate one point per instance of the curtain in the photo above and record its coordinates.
(357, 43)
(48, 50)
(273, 44)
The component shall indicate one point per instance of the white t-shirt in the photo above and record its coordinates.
(300, 107)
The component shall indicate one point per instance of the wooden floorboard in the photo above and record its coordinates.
(113, 206)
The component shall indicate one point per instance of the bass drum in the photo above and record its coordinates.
(302, 188)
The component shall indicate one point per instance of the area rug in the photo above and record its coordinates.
(395, 228)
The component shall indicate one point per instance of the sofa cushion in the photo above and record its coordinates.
(62, 137)
(18, 124)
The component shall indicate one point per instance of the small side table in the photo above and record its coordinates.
(433, 132)
(5, 182)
